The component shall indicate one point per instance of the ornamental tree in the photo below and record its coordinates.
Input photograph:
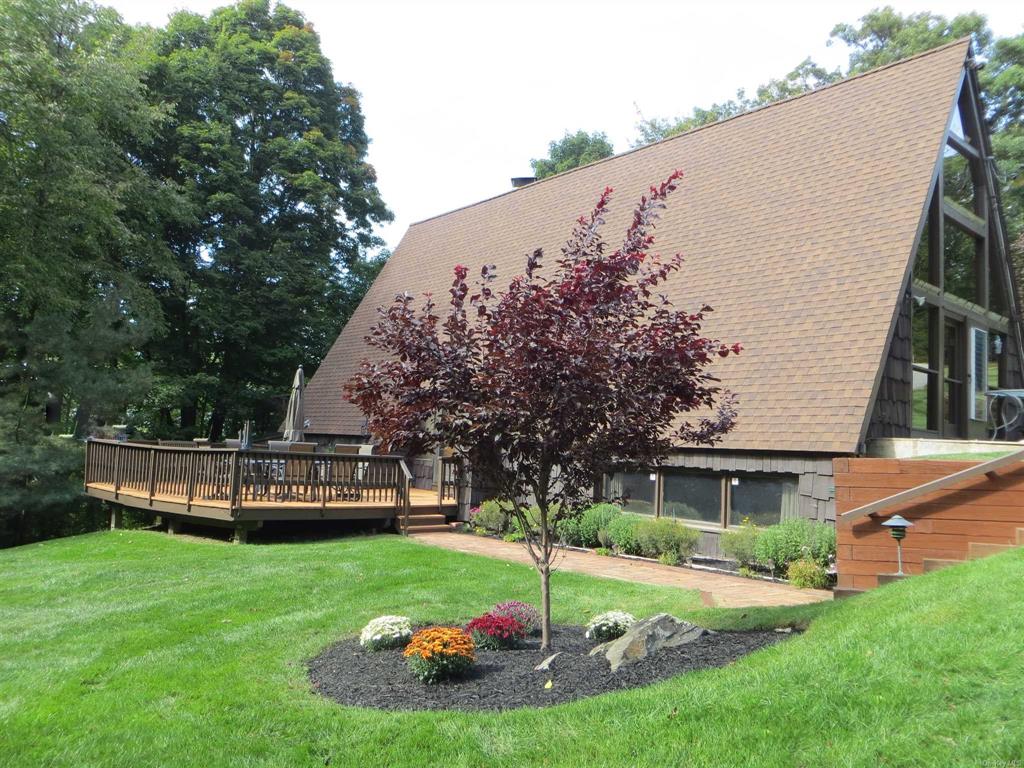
(544, 384)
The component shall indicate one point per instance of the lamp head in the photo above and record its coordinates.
(897, 526)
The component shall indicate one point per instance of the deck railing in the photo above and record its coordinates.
(451, 479)
(247, 477)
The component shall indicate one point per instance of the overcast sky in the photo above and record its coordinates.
(459, 96)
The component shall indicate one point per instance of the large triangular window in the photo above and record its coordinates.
(961, 307)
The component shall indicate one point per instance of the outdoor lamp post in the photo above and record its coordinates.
(898, 528)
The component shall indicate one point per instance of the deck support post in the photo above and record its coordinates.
(118, 450)
(241, 535)
(173, 526)
(152, 474)
(116, 518)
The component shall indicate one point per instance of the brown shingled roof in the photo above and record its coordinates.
(797, 221)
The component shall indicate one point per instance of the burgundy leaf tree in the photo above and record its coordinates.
(545, 384)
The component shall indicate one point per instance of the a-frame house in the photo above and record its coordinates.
(850, 238)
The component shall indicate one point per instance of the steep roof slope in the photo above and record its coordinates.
(797, 222)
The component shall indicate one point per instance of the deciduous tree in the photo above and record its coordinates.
(271, 151)
(546, 383)
(572, 151)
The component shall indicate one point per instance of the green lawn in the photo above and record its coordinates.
(983, 456)
(136, 649)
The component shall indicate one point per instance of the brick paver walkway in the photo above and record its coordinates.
(716, 589)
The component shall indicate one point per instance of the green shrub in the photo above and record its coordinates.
(493, 515)
(604, 551)
(807, 574)
(595, 519)
(668, 558)
(747, 573)
(622, 534)
(739, 545)
(568, 530)
(513, 536)
(665, 536)
(779, 545)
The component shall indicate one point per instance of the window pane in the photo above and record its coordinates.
(979, 380)
(996, 347)
(690, 496)
(922, 264)
(920, 335)
(953, 406)
(764, 500)
(957, 126)
(925, 385)
(958, 180)
(960, 252)
(634, 490)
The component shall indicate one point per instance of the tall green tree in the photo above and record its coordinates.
(885, 36)
(271, 151)
(572, 151)
(80, 245)
(806, 76)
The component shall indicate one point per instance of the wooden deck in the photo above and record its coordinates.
(231, 486)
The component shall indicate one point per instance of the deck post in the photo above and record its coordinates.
(439, 469)
(116, 518)
(233, 479)
(321, 487)
(173, 526)
(118, 450)
(152, 474)
(190, 480)
(241, 535)
(88, 463)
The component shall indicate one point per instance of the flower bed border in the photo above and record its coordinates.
(465, 529)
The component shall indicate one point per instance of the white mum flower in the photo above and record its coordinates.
(609, 625)
(386, 632)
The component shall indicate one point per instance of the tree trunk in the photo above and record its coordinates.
(217, 423)
(545, 605)
(81, 420)
(188, 416)
(544, 566)
(54, 408)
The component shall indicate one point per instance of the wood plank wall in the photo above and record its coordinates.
(891, 415)
(813, 473)
(979, 510)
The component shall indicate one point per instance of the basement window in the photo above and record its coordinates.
(693, 497)
(764, 499)
(635, 491)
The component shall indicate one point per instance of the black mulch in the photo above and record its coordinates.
(507, 680)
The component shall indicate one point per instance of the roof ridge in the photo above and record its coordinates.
(706, 126)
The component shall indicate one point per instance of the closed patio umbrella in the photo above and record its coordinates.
(295, 419)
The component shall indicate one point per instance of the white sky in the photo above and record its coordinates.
(459, 96)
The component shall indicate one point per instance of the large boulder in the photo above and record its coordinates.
(647, 637)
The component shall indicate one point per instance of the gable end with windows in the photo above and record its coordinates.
(956, 338)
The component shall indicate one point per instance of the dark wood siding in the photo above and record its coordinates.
(891, 415)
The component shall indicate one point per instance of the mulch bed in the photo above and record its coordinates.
(507, 680)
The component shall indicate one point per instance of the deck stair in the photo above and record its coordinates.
(975, 550)
(960, 511)
(425, 522)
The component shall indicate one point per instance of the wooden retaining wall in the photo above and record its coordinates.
(980, 510)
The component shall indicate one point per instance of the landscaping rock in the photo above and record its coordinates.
(545, 665)
(647, 637)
